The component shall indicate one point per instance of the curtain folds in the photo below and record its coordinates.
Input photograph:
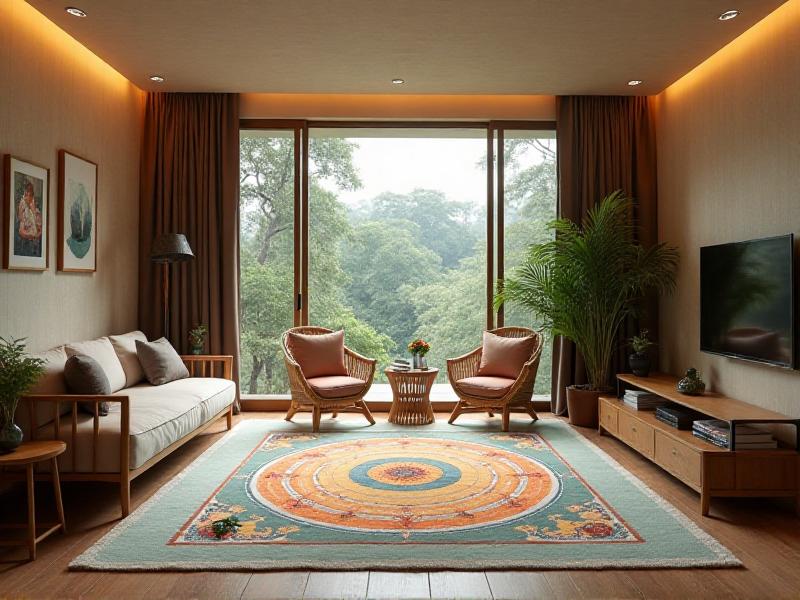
(189, 183)
(605, 143)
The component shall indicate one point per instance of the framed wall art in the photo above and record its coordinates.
(26, 189)
(77, 213)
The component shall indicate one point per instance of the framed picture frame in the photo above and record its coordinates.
(26, 223)
(77, 213)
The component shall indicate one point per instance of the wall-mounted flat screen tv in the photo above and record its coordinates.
(747, 300)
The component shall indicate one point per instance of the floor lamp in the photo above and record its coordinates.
(169, 248)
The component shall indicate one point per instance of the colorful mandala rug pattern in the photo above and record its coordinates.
(389, 499)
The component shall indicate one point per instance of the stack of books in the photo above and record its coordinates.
(400, 364)
(677, 416)
(641, 400)
(747, 438)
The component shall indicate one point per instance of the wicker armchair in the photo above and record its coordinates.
(518, 398)
(305, 399)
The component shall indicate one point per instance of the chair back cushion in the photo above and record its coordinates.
(505, 356)
(160, 362)
(318, 355)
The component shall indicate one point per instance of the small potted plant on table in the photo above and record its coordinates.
(640, 359)
(197, 339)
(18, 373)
(419, 348)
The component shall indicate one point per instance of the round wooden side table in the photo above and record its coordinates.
(27, 455)
(411, 396)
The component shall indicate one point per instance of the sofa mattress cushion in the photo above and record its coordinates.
(336, 386)
(159, 416)
(486, 387)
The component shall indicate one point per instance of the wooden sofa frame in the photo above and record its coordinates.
(198, 365)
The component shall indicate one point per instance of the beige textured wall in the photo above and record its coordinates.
(57, 94)
(729, 169)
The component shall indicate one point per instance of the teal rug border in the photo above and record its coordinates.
(91, 559)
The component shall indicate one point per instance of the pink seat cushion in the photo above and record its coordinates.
(318, 355)
(336, 386)
(504, 356)
(486, 387)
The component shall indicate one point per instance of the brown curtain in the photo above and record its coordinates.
(605, 143)
(189, 183)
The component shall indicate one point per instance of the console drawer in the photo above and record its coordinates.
(679, 459)
(637, 434)
(609, 417)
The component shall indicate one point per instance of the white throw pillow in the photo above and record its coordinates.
(103, 352)
(125, 347)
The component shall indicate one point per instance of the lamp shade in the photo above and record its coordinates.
(170, 247)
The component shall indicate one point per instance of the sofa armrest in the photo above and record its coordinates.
(209, 365)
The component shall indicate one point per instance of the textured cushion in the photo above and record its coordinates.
(486, 387)
(125, 347)
(103, 352)
(503, 356)
(160, 362)
(318, 355)
(84, 375)
(336, 386)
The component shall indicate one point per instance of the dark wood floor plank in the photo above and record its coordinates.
(459, 585)
(340, 585)
(605, 584)
(402, 586)
(277, 586)
(513, 585)
(201, 586)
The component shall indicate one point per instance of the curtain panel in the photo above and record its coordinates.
(605, 143)
(189, 183)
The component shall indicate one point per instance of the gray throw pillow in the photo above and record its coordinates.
(160, 363)
(84, 375)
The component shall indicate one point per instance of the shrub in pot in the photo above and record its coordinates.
(585, 283)
(18, 373)
(639, 361)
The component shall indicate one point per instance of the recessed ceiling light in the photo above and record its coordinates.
(398, 81)
(75, 12)
(157, 78)
(728, 15)
(635, 82)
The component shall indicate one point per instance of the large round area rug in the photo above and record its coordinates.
(437, 498)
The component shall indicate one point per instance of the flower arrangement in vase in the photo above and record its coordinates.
(18, 373)
(197, 339)
(419, 348)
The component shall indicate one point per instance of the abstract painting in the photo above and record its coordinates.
(77, 213)
(25, 220)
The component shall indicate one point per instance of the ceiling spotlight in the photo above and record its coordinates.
(157, 78)
(728, 15)
(635, 82)
(398, 81)
(75, 12)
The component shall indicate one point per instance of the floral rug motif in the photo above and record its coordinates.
(416, 498)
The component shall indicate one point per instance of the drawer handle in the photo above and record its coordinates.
(633, 429)
(674, 452)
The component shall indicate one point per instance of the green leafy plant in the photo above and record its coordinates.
(640, 343)
(197, 336)
(18, 373)
(226, 526)
(589, 279)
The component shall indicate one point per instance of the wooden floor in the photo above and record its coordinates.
(764, 534)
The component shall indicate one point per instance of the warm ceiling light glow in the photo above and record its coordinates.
(75, 12)
(398, 81)
(157, 78)
(728, 15)
(635, 82)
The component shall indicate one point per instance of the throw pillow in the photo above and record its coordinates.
(103, 352)
(125, 347)
(318, 355)
(504, 356)
(160, 362)
(85, 376)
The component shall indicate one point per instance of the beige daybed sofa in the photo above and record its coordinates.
(144, 423)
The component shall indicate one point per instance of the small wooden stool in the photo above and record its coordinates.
(27, 455)
(411, 396)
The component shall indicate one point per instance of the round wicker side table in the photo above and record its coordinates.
(411, 391)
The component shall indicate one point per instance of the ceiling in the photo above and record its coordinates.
(437, 46)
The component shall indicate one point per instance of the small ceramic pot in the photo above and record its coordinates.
(692, 384)
(10, 437)
(197, 349)
(640, 363)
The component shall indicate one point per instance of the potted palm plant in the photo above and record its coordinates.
(18, 373)
(585, 283)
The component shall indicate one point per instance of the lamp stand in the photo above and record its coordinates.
(165, 299)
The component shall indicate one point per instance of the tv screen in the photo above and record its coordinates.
(747, 300)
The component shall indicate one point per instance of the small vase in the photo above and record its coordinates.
(10, 437)
(197, 349)
(640, 364)
(692, 384)
(417, 362)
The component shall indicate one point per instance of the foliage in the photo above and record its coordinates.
(640, 343)
(584, 283)
(197, 336)
(226, 526)
(419, 346)
(18, 373)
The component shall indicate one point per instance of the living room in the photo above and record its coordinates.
(399, 300)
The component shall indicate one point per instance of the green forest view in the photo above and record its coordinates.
(386, 269)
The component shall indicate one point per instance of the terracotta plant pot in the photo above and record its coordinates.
(582, 406)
